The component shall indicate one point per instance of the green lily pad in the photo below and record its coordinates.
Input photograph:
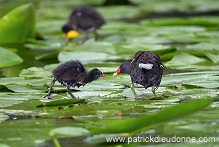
(183, 59)
(167, 114)
(201, 49)
(3, 88)
(18, 25)
(196, 21)
(34, 72)
(214, 58)
(87, 56)
(62, 102)
(68, 131)
(49, 56)
(8, 58)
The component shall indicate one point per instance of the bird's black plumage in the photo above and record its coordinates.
(146, 77)
(73, 73)
(145, 69)
(70, 73)
(84, 19)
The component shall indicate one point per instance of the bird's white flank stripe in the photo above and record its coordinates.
(147, 66)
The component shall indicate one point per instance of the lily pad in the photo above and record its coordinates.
(214, 58)
(69, 131)
(18, 25)
(196, 21)
(34, 72)
(87, 56)
(3, 88)
(201, 49)
(183, 59)
(62, 102)
(8, 58)
(167, 114)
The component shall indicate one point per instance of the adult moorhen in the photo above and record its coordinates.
(145, 69)
(83, 19)
(71, 74)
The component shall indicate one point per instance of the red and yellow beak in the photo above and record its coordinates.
(71, 34)
(117, 72)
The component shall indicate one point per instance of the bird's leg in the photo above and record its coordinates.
(96, 35)
(154, 88)
(69, 92)
(133, 90)
(50, 90)
(85, 37)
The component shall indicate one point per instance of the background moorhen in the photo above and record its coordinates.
(145, 69)
(71, 74)
(83, 19)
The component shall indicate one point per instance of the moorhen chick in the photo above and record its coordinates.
(145, 69)
(71, 74)
(83, 19)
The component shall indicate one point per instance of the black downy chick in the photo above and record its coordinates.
(72, 74)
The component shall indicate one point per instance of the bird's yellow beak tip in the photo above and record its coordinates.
(115, 74)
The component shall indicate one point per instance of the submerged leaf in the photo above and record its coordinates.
(167, 114)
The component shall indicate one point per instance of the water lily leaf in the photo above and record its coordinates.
(8, 58)
(87, 56)
(196, 21)
(115, 39)
(4, 145)
(214, 58)
(61, 102)
(119, 11)
(34, 72)
(167, 114)
(102, 47)
(134, 47)
(18, 25)
(21, 88)
(183, 59)
(3, 88)
(3, 117)
(68, 131)
(42, 45)
(201, 49)
(190, 86)
(49, 56)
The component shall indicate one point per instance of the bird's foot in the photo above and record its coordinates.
(154, 88)
(49, 97)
